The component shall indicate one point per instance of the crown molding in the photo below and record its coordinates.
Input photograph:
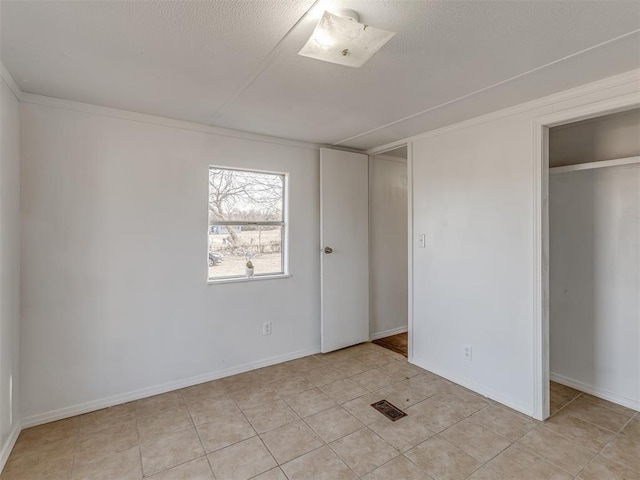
(8, 79)
(630, 78)
(157, 120)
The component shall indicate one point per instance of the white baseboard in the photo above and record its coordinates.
(595, 391)
(9, 444)
(388, 333)
(476, 387)
(74, 410)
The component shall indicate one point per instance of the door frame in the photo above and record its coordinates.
(379, 151)
(541, 126)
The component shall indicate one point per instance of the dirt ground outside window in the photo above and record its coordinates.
(265, 247)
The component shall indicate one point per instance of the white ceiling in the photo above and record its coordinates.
(234, 63)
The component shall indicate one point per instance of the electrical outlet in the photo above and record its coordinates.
(266, 328)
(467, 352)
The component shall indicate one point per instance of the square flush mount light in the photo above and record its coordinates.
(341, 39)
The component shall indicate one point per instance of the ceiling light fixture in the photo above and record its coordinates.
(341, 39)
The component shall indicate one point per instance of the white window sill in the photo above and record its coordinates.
(248, 279)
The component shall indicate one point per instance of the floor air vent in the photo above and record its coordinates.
(392, 412)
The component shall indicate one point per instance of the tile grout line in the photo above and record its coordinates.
(303, 419)
(572, 441)
(607, 444)
(338, 455)
(488, 460)
(327, 444)
(545, 460)
(197, 433)
(75, 449)
(295, 458)
(489, 428)
(170, 432)
(140, 440)
(258, 435)
(615, 434)
(596, 404)
(468, 417)
(438, 434)
(366, 425)
(524, 447)
(566, 405)
(195, 427)
(482, 464)
(175, 466)
(313, 429)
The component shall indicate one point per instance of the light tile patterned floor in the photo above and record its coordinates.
(311, 419)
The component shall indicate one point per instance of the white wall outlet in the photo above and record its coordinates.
(266, 328)
(422, 240)
(467, 352)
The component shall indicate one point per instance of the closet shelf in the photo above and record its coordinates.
(591, 165)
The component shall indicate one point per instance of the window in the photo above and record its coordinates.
(247, 224)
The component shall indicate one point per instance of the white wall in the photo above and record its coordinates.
(474, 190)
(114, 275)
(473, 282)
(595, 281)
(9, 267)
(116, 303)
(388, 245)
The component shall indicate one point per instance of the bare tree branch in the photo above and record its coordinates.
(238, 195)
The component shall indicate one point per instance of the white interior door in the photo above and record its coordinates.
(344, 217)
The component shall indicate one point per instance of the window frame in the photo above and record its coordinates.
(284, 225)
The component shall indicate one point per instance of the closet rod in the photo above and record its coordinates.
(590, 165)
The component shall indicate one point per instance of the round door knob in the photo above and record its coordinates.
(328, 250)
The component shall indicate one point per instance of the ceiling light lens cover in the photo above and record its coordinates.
(344, 41)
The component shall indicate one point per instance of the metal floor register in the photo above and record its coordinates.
(390, 411)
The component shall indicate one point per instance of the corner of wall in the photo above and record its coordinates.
(388, 333)
(595, 391)
(11, 156)
(8, 79)
(6, 449)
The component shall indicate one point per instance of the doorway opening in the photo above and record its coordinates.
(594, 265)
(388, 249)
(546, 308)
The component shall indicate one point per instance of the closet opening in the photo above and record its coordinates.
(594, 269)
